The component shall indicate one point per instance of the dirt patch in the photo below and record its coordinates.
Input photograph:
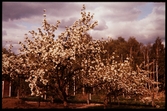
(14, 103)
(10, 103)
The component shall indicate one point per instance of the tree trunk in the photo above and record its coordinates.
(88, 98)
(157, 55)
(157, 74)
(18, 89)
(39, 101)
(148, 69)
(153, 102)
(18, 92)
(83, 91)
(52, 99)
(109, 98)
(65, 103)
(64, 98)
(117, 100)
(10, 89)
(67, 89)
(105, 102)
(74, 86)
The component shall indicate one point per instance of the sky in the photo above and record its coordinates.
(143, 20)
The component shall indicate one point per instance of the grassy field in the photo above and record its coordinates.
(79, 100)
(123, 103)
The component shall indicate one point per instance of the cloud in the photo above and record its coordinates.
(158, 4)
(145, 30)
(114, 19)
(153, 24)
(120, 11)
(4, 32)
(67, 22)
(101, 25)
(13, 33)
(18, 10)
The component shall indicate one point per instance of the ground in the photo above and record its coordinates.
(14, 103)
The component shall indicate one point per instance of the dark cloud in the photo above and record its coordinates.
(124, 5)
(64, 9)
(17, 10)
(157, 4)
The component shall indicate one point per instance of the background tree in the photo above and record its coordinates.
(14, 66)
(158, 55)
(134, 51)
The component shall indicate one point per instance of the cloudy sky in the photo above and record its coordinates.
(143, 20)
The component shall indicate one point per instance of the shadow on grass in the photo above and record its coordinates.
(128, 104)
(125, 106)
